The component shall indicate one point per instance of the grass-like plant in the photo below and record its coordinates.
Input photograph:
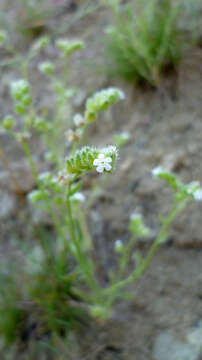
(63, 283)
(144, 40)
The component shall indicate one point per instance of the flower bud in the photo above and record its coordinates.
(78, 198)
(78, 120)
(63, 178)
(8, 122)
(46, 67)
(41, 43)
(41, 125)
(194, 190)
(161, 173)
(19, 89)
(118, 246)
(99, 312)
(23, 136)
(121, 139)
(38, 195)
(137, 226)
(69, 46)
(3, 37)
(101, 101)
(71, 136)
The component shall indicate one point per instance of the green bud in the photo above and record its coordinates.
(46, 67)
(45, 177)
(8, 122)
(19, 89)
(137, 226)
(3, 37)
(99, 312)
(26, 100)
(161, 173)
(101, 100)
(23, 136)
(121, 139)
(50, 157)
(20, 108)
(41, 43)
(38, 195)
(69, 46)
(41, 125)
(118, 246)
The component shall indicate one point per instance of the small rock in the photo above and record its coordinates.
(194, 335)
(167, 347)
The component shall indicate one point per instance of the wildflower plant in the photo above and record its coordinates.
(143, 40)
(66, 273)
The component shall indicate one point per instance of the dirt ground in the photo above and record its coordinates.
(166, 128)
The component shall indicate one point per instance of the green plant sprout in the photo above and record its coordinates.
(143, 40)
(64, 278)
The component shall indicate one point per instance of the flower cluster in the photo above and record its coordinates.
(101, 101)
(39, 44)
(69, 46)
(20, 92)
(89, 159)
(137, 226)
(192, 189)
(46, 67)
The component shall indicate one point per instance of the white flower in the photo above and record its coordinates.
(102, 163)
(118, 246)
(78, 197)
(78, 120)
(198, 195)
(193, 187)
(63, 178)
(157, 171)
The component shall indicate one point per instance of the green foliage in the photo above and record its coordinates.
(144, 41)
(51, 291)
(11, 314)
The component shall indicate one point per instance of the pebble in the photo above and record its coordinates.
(168, 347)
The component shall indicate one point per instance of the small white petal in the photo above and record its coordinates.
(198, 195)
(101, 156)
(100, 169)
(108, 159)
(107, 167)
(96, 162)
(157, 171)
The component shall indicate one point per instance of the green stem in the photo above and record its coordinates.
(81, 257)
(40, 186)
(137, 273)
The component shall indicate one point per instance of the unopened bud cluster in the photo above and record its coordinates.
(69, 46)
(183, 191)
(101, 101)
(20, 92)
(137, 226)
(46, 67)
(90, 159)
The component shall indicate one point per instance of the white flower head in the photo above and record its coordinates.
(193, 187)
(78, 120)
(157, 171)
(78, 197)
(118, 246)
(198, 195)
(63, 178)
(102, 163)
